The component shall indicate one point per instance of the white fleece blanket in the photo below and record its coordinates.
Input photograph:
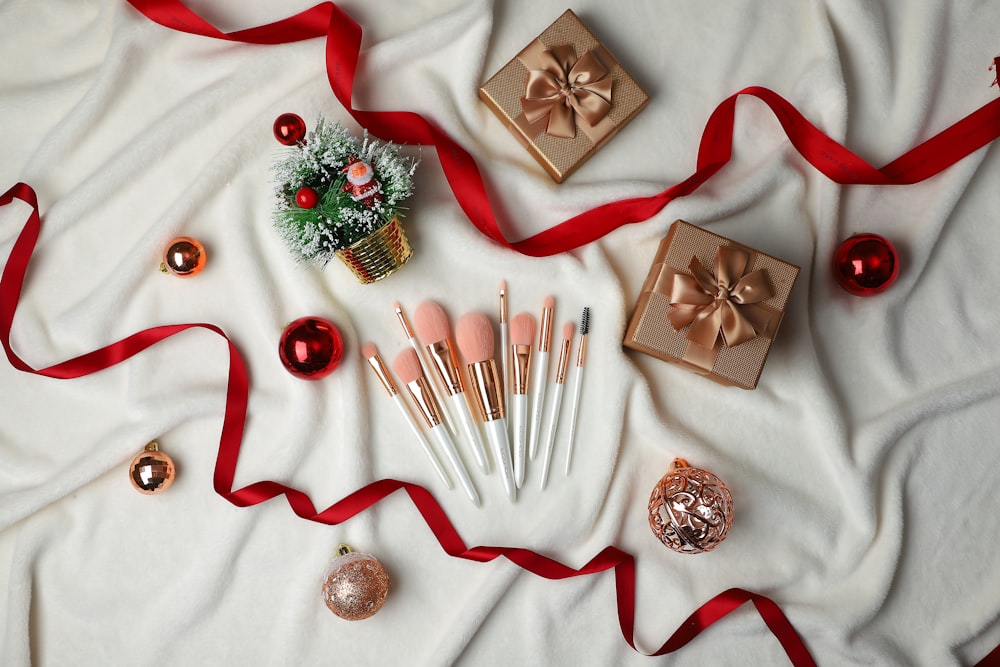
(863, 466)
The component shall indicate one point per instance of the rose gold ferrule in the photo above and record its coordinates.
(420, 391)
(487, 390)
(563, 361)
(545, 339)
(581, 355)
(383, 374)
(521, 356)
(503, 306)
(443, 358)
(404, 322)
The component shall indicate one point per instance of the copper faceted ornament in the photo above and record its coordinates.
(690, 510)
(356, 585)
(152, 471)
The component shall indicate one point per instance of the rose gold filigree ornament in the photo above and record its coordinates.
(356, 585)
(152, 471)
(690, 510)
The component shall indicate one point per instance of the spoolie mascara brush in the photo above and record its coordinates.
(581, 357)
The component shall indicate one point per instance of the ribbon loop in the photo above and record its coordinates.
(565, 87)
(714, 304)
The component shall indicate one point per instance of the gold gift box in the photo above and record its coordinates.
(566, 69)
(711, 305)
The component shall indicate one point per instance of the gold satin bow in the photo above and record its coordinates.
(565, 86)
(721, 303)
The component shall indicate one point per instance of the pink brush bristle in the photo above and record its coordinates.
(407, 366)
(474, 334)
(368, 350)
(568, 330)
(431, 322)
(549, 302)
(522, 329)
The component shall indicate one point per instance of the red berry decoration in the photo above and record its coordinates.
(306, 197)
(289, 129)
(311, 348)
(866, 264)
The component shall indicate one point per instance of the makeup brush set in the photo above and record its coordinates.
(500, 416)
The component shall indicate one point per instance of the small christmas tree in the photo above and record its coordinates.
(334, 190)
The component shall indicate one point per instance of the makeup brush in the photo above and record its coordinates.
(425, 364)
(475, 340)
(522, 332)
(370, 352)
(504, 349)
(539, 375)
(581, 357)
(407, 367)
(435, 332)
(557, 393)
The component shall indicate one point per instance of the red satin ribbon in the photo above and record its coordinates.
(343, 45)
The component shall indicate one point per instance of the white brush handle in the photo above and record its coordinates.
(577, 383)
(540, 371)
(460, 408)
(446, 443)
(519, 431)
(550, 431)
(505, 362)
(496, 433)
(398, 400)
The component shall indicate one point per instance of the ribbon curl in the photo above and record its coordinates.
(565, 87)
(716, 304)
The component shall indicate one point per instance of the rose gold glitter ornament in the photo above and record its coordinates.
(356, 585)
(152, 471)
(184, 257)
(690, 510)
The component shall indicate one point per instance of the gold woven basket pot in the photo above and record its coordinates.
(380, 254)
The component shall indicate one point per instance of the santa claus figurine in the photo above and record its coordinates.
(361, 183)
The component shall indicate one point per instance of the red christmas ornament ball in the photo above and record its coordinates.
(866, 264)
(311, 348)
(289, 129)
(306, 197)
